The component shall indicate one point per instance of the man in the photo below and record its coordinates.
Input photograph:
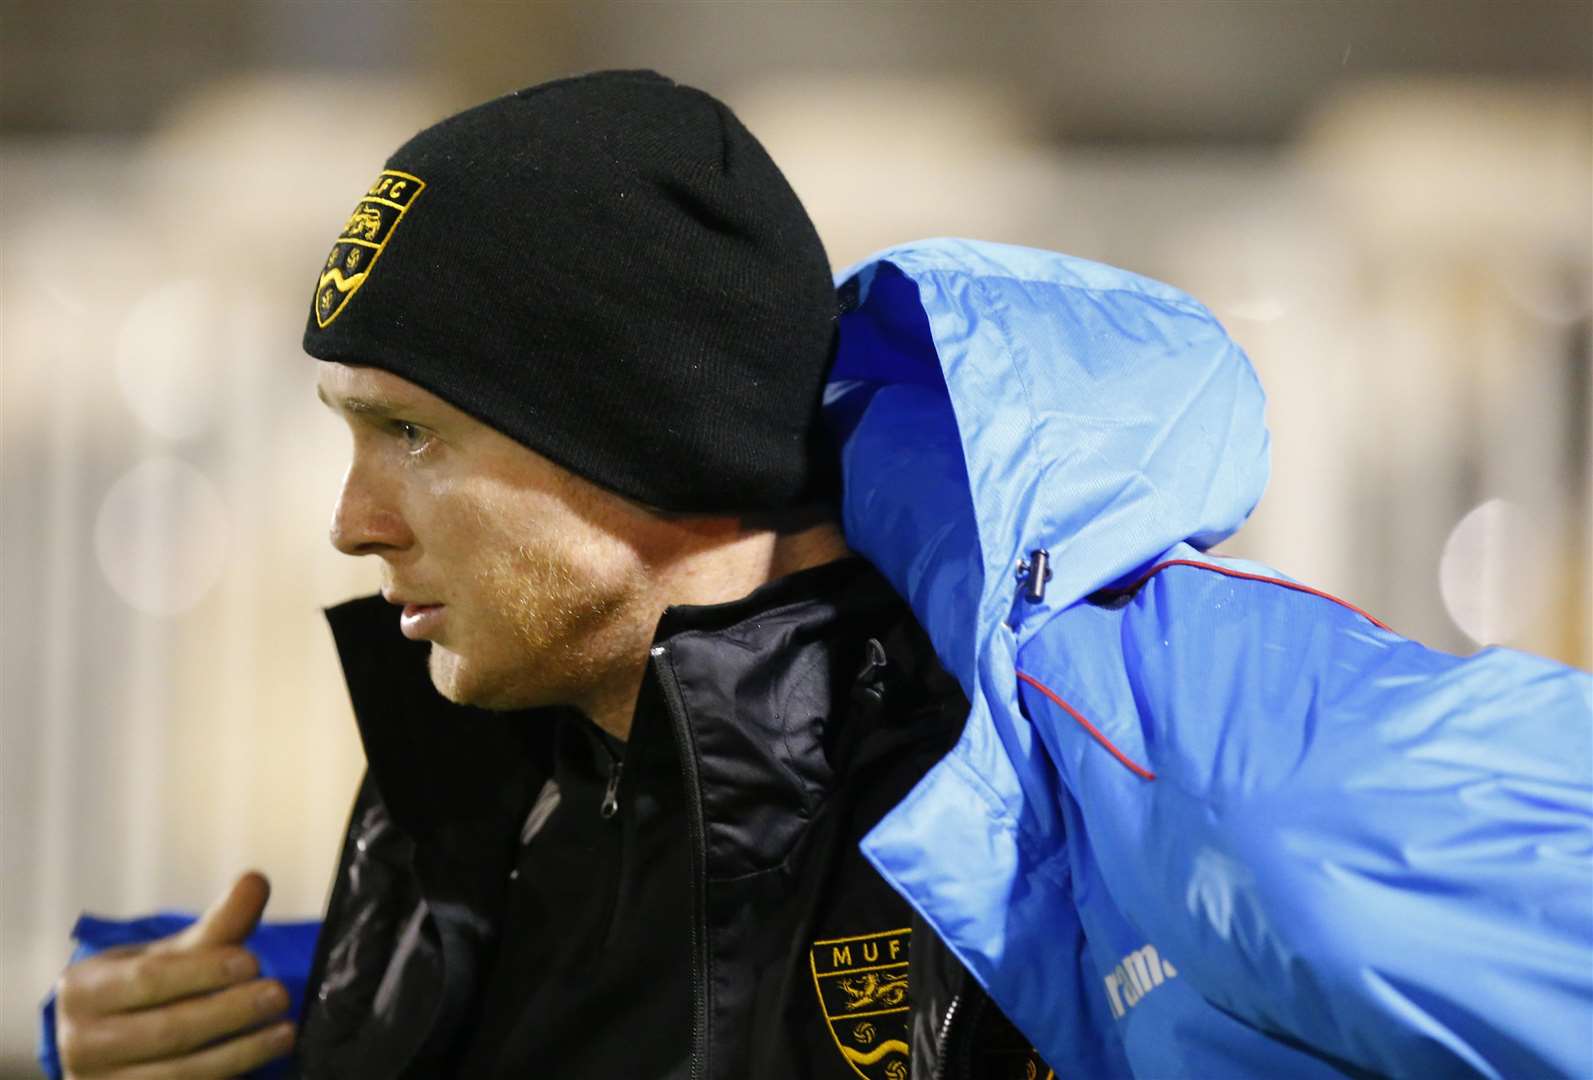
(649, 702)
(1190, 819)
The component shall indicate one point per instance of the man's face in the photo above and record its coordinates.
(525, 578)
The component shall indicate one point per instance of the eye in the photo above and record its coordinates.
(416, 438)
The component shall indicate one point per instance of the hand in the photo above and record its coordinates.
(185, 1007)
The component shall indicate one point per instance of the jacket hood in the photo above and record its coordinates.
(1139, 426)
(1321, 849)
(990, 401)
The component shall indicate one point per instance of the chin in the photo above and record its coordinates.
(463, 684)
(444, 669)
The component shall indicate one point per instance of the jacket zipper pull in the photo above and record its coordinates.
(868, 688)
(610, 805)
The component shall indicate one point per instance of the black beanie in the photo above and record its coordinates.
(610, 270)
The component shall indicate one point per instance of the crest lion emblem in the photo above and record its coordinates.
(364, 237)
(861, 982)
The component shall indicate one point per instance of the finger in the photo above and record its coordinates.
(118, 980)
(174, 1030)
(230, 919)
(232, 1058)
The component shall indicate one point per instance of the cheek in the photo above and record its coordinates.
(509, 569)
(524, 565)
(536, 533)
(458, 524)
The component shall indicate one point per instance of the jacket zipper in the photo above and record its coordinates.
(943, 1036)
(607, 811)
(610, 805)
(699, 857)
(963, 1013)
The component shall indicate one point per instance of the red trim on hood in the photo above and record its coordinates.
(1138, 770)
(1295, 585)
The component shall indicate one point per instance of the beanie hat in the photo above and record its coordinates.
(610, 270)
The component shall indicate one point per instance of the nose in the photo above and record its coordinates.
(366, 520)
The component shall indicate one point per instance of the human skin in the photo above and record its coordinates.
(534, 587)
(156, 1012)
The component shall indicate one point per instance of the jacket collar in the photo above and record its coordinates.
(766, 704)
(759, 676)
(443, 770)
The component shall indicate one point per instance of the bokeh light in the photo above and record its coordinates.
(161, 536)
(167, 363)
(1490, 574)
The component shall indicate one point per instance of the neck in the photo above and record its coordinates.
(726, 571)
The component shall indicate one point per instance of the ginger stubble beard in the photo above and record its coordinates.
(552, 630)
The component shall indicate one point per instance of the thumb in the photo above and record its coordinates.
(232, 917)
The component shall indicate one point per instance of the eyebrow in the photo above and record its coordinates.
(372, 407)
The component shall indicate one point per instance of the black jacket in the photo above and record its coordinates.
(770, 734)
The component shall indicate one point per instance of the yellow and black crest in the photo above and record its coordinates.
(360, 244)
(862, 986)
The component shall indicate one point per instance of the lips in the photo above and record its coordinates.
(421, 621)
(418, 620)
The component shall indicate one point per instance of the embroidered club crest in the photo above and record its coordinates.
(365, 234)
(862, 986)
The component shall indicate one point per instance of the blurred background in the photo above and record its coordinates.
(1387, 203)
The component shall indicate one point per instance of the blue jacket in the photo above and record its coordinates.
(1203, 821)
